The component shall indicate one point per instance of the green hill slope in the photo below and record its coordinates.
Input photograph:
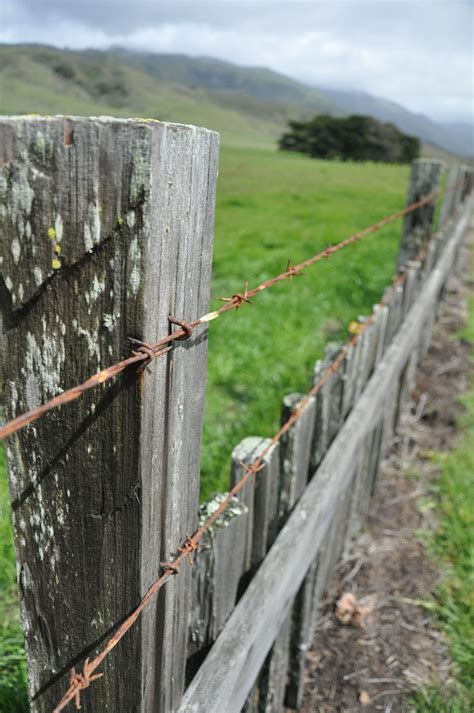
(249, 106)
(45, 80)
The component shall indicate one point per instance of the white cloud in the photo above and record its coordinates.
(416, 52)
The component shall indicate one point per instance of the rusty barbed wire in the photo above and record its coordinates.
(79, 682)
(148, 352)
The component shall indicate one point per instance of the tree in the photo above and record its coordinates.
(356, 137)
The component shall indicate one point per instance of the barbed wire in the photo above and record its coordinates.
(145, 353)
(81, 681)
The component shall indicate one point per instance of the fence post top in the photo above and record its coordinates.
(433, 161)
(103, 119)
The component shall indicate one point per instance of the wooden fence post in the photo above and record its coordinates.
(106, 229)
(417, 226)
(448, 207)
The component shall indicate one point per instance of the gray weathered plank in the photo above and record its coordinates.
(407, 381)
(328, 404)
(448, 207)
(106, 229)
(417, 225)
(260, 497)
(295, 453)
(410, 285)
(255, 623)
(376, 456)
(218, 567)
(383, 315)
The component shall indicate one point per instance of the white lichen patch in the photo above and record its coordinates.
(38, 275)
(58, 227)
(92, 226)
(134, 262)
(140, 177)
(39, 142)
(43, 365)
(92, 344)
(110, 320)
(21, 193)
(131, 218)
(16, 250)
(98, 287)
(42, 529)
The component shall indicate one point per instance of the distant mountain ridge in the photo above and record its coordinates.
(457, 137)
(248, 105)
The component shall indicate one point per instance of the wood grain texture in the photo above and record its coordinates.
(417, 225)
(257, 619)
(328, 404)
(260, 497)
(298, 452)
(106, 229)
(269, 690)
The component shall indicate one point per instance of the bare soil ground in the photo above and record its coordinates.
(399, 648)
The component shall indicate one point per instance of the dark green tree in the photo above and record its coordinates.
(356, 138)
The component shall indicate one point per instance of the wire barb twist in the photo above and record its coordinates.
(80, 681)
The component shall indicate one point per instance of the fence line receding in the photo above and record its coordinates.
(105, 492)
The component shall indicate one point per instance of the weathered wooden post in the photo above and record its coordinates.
(448, 207)
(417, 226)
(106, 230)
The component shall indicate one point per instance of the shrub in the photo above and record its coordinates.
(357, 138)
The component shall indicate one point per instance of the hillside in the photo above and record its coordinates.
(249, 106)
(456, 137)
(44, 80)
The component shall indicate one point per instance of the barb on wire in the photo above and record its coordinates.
(191, 543)
(147, 352)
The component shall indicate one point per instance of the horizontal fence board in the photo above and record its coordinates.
(258, 617)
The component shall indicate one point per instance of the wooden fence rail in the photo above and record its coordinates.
(106, 229)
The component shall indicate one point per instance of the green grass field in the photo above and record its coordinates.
(272, 207)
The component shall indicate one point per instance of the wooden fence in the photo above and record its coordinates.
(106, 229)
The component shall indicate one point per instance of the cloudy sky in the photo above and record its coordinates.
(416, 52)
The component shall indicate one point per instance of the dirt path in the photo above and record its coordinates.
(399, 649)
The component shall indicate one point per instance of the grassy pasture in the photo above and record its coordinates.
(270, 207)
